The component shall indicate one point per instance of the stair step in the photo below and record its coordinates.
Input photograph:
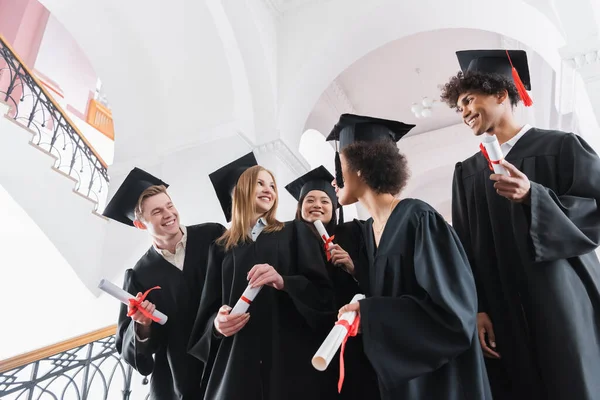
(63, 173)
(43, 150)
(85, 197)
(96, 213)
(23, 127)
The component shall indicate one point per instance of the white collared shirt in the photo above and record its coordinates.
(506, 147)
(178, 258)
(258, 228)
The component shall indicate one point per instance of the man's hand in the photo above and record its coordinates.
(484, 326)
(264, 274)
(138, 317)
(515, 187)
(228, 325)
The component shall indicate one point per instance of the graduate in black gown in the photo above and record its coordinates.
(176, 262)
(530, 237)
(418, 321)
(266, 352)
(317, 201)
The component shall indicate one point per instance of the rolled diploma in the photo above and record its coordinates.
(124, 297)
(334, 340)
(322, 231)
(244, 302)
(490, 142)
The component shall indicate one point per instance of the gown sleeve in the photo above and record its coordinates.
(203, 335)
(460, 223)
(310, 288)
(411, 335)
(135, 353)
(567, 224)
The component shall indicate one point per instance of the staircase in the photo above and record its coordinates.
(50, 169)
(49, 196)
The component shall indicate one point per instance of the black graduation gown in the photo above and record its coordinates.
(536, 270)
(360, 380)
(175, 374)
(270, 358)
(419, 319)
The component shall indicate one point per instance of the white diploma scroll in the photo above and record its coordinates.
(490, 142)
(244, 302)
(334, 340)
(322, 232)
(124, 297)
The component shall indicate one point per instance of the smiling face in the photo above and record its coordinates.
(159, 216)
(265, 192)
(317, 206)
(482, 112)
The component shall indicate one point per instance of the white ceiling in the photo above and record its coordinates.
(384, 83)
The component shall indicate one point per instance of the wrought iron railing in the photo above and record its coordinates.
(34, 108)
(84, 368)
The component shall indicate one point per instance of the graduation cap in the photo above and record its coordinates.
(121, 207)
(225, 178)
(317, 179)
(353, 128)
(510, 63)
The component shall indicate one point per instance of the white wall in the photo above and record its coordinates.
(43, 300)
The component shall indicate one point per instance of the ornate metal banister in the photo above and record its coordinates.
(85, 367)
(34, 108)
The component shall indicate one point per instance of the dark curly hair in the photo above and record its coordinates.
(383, 168)
(478, 82)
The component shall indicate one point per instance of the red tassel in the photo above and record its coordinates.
(519, 84)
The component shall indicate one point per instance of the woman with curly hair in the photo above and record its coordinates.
(264, 353)
(418, 319)
(530, 237)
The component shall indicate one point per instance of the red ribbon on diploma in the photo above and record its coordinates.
(352, 330)
(246, 300)
(328, 241)
(487, 157)
(135, 306)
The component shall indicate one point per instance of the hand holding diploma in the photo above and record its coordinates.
(141, 313)
(515, 186)
(264, 274)
(135, 304)
(229, 324)
(347, 325)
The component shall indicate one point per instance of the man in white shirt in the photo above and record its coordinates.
(176, 262)
(530, 237)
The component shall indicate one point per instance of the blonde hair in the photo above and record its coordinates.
(149, 192)
(243, 209)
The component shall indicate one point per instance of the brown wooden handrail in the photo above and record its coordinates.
(59, 108)
(39, 354)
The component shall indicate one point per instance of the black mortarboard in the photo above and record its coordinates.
(317, 179)
(225, 178)
(510, 63)
(356, 128)
(122, 206)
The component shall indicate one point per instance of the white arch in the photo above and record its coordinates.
(319, 54)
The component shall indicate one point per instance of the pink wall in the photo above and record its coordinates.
(61, 59)
(23, 23)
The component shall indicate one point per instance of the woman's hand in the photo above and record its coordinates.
(228, 325)
(340, 256)
(264, 274)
